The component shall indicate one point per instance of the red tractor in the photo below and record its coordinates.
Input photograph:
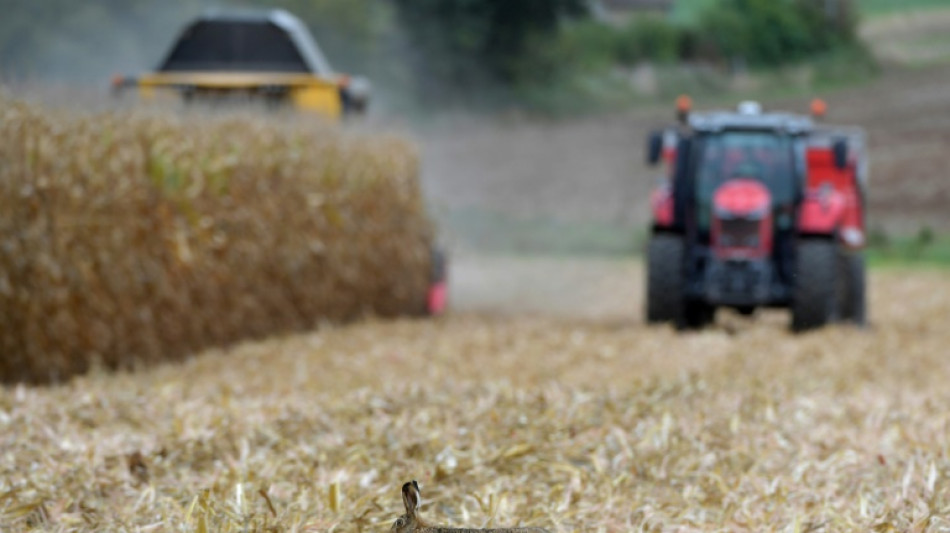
(757, 210)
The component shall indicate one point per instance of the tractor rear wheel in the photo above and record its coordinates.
(665, 279)
(852, 288)
(746, 310)
(814, 296)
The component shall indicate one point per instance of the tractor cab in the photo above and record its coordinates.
(737, 202)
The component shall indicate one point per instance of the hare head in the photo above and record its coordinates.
(411, 523)
(410, 497)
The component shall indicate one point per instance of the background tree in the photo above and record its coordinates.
(776, 32)
(460, 45)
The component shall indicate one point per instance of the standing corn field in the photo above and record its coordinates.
(131, 238)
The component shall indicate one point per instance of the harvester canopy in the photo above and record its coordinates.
(246, 40)
(236, 56)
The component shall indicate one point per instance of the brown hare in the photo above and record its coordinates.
(410, 522)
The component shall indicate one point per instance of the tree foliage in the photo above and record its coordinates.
(459, 51)
(467, 41)
(774, 32)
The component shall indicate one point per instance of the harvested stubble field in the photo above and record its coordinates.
(128, 238)
(580, 421)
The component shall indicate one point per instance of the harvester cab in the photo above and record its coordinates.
(250, 55)
(757, 209)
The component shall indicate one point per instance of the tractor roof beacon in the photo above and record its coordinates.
(757, 209)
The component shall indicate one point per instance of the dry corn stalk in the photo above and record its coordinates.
(128, 239)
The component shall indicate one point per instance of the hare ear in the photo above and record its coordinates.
(410, 497)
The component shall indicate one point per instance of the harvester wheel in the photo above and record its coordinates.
(852, 291)
(665, 279)
(813, 298)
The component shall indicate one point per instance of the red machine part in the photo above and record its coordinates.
(832, 200)
(742, 220)
(437, 298)
(661, 203)
(661, 198)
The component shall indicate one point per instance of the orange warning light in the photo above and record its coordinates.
(684, 104)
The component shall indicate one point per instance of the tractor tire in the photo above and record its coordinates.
(697, 315)
(746, 310)
(665, 280)
(814, 298)
(852, 288)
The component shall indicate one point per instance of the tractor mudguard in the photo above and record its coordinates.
(822, 212)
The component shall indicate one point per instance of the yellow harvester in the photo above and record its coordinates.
(250, 55)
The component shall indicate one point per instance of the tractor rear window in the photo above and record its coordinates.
(235, 46)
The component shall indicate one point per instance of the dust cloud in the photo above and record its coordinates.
(86, 44)
(539, 216)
